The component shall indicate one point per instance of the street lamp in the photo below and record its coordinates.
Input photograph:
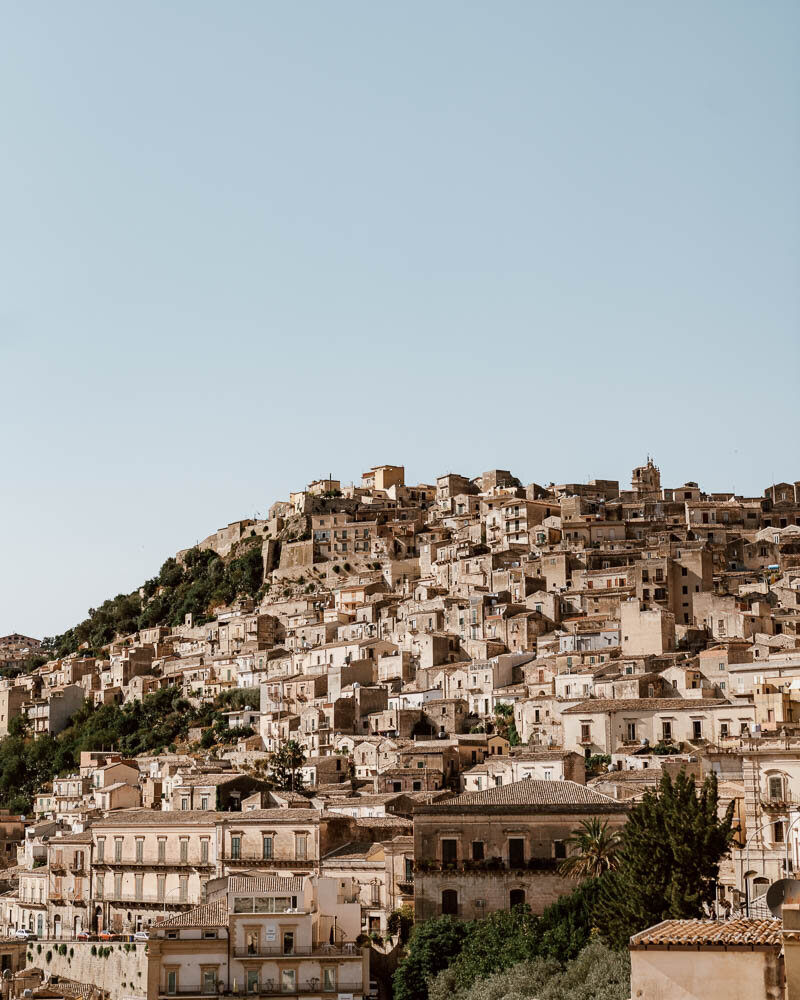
(786, 839)
(176, 888)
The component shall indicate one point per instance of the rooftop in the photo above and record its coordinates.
(743, 932)
(645, 705)
(529, 792)
(208, 915)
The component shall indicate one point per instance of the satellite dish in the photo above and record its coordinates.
(785, 890)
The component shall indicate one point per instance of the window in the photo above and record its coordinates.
(139, 850)
(450, 902)
(288, 942)
(252, 980)
(99, 886)
(329, 979)
(118, 848)
(723, 730)
(236, 848)
(204, 849)
(516, 852)
(631, 730)
(118, 887)
(559, 849)
(516, 898)
(204, 802)
(301, 846)
(266, 846)
(183, 888)
(101, 849)
(477, 850)
(172, 981)
(585, 732)
(139, 886)
(777, 831)
(184, 849)
(666, 731)
(184, 804)
(776, 788)
(697, 729)
(449, 851)
(161, 884)
(209, 981)
(288, 980)
(162, 850)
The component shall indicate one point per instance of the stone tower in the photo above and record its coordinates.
(646, 479)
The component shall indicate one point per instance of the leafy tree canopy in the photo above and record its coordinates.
(668, 858)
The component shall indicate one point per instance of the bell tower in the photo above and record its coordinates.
(646, 479)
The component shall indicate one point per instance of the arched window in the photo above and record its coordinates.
(516, 898)
(776, 787)
(450, 902)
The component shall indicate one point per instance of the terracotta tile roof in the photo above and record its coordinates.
(198, 780)
(530, 792)
(692, 933)
(208, 915)
(645, 705)
(266, 883)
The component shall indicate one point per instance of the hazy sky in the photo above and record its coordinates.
(246, 244)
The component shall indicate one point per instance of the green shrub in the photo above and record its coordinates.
(48, 957)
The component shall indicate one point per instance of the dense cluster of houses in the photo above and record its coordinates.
(471, 668)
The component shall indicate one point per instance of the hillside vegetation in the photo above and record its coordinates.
(153, 725)
(203, 581)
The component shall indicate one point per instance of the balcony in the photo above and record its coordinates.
(319, 950)
(779, 805)
(271, 988)
(256, 858)
(492, 866)
(161, 864)
(145, 898)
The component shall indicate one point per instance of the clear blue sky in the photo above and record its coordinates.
(246, 244)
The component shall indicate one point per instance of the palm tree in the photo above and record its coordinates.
(595, 850)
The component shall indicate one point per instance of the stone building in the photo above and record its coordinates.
(493, 849)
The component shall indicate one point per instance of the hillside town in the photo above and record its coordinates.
(430, 688)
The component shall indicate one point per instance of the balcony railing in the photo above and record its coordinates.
(129, 863)
(168, 899)
(271, 988)
(487, 867)
(320, 949)
(256, 857)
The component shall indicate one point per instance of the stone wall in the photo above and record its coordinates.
(123, 973)
(482, 892)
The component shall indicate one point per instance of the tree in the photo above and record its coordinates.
(504, 723)
(284, 765)
(432, 947)
(595, 850)
(597, 973)
(668, 859)
(400, 922)
(502, 939)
